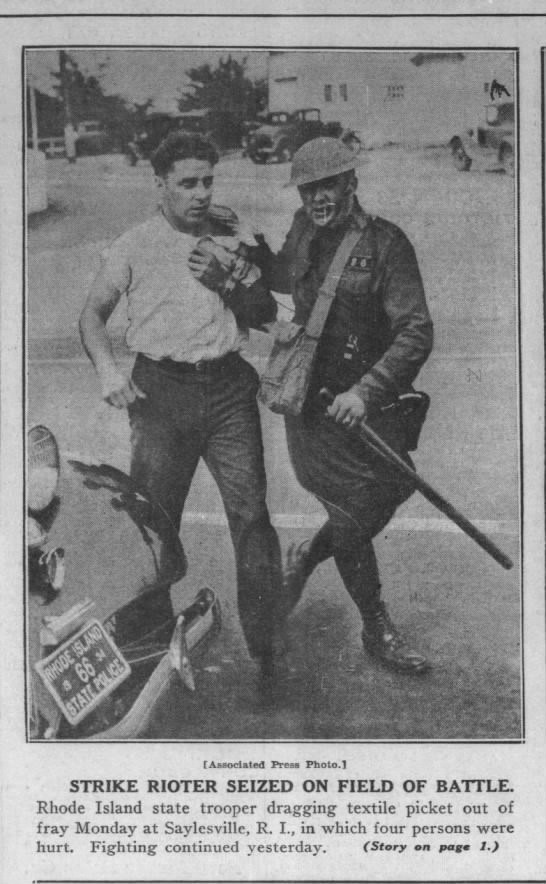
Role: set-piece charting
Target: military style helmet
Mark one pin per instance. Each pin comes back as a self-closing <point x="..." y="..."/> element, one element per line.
<point x="320" y="158"/>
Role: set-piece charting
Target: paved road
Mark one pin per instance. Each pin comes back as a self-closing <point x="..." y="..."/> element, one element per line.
<point x="453" y="601"/>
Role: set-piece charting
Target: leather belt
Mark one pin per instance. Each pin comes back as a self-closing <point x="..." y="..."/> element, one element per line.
<point x="203" y="366"/>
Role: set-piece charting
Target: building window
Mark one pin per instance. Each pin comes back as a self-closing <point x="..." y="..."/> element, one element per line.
<point x="486" y="88"/>
<point x="343" y="91"/>
<point x="328" y="93"/>
<point x="394" y="93"/>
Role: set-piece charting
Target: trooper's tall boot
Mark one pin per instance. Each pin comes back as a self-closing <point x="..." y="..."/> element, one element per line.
<point x="381" y="640"/>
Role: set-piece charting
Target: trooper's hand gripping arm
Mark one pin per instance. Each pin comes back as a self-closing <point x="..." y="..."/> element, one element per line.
<point x="236" y="279"/>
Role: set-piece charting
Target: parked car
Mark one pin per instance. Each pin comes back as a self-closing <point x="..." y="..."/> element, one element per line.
<point x="493" y="135"/>
<point x="154" y="129"/>
<point x="249" y="127"/>
<point x="223" y="128"/>
<point x="280" y="136"/>
<point x="105" y="647"/>
<point x="92" y="138"/>
<point x="53" y="147"/>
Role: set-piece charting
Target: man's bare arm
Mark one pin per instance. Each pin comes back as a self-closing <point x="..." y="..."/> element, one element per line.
<point x="116" y="388"/>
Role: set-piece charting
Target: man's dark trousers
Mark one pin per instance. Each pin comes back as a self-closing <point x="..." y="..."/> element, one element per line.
<point x="210" y="411"/>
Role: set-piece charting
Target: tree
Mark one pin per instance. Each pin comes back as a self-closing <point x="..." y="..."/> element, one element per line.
<point x="49" y="112"/>
<point x="228" y="93"/>
<point x="84" y="99"/>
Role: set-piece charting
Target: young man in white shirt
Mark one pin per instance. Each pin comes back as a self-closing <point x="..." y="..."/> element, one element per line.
<point x="191" y="394"/>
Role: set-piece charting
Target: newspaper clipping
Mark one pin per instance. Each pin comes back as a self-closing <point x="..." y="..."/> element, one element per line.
<point x="272" y="446"/>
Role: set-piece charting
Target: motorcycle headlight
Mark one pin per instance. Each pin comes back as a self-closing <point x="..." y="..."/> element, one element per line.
<point x="43" y="468"/>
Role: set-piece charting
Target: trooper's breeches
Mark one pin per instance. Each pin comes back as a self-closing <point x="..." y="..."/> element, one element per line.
<point x="358" y="490"/>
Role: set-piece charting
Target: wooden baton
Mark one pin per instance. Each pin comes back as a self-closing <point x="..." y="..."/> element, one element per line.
<point x="385" y="451"/>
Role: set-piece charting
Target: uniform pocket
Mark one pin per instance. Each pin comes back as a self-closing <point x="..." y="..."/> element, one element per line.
<point x="356" y="283"/>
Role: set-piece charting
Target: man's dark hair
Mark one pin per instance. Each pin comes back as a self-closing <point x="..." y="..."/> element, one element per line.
<point x="182" y="146"/>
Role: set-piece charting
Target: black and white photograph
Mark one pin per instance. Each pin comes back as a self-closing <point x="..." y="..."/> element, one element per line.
<point x="272" y="318"/>
<point x="272" y="510"/>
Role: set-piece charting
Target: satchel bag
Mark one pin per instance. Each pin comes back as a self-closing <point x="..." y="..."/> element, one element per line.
<point x="285" y="381"/>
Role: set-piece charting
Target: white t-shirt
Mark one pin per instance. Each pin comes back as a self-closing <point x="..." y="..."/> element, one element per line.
<point x="171" y="314"/>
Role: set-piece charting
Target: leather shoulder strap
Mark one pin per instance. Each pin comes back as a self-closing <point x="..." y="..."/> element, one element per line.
<point x="327" y="291"/>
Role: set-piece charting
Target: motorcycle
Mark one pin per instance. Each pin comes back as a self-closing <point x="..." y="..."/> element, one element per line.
<point x="110" y="648"/>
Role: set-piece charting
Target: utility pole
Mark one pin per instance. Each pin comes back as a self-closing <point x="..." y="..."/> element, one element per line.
<point x="66" y="77"/>
<point x="268" y="79"/>
<point x="70" y="135"/>
<point x="33" y="117"/>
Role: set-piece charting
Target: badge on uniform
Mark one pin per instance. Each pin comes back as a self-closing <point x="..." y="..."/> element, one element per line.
<point x="351" y="347"/>
<point x="360" y="263"/>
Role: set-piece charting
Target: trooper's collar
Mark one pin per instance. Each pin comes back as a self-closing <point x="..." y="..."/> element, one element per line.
<point x="357" y="215"/>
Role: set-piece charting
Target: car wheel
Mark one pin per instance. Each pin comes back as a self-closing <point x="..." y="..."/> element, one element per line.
<point x="284" y="153"/>
<point x="351" y="140"/>
<point x="506" y="159"/>
<point x="459" y="156"/>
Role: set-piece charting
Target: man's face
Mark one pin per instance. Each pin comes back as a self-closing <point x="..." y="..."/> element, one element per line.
<point x="186" y="192"/>
<point x="327" y="199"/>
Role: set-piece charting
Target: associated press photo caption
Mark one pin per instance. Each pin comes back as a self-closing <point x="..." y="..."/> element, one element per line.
<point x="302" y="813"/>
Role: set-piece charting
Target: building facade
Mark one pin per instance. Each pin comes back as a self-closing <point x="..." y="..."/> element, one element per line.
<point x="413" y="98"/>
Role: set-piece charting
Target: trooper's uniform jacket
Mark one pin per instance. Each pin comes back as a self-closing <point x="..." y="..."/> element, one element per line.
<point x="377" y="336"/>
<point x="378" y="332"/>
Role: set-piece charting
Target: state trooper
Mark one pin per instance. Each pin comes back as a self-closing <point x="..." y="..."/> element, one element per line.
<point x="377" y="335"/>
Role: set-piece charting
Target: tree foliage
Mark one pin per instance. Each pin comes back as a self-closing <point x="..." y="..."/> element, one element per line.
<point x="225" y="89"/>
<point x="83" y="98"/>
<point x="49" y="112"/>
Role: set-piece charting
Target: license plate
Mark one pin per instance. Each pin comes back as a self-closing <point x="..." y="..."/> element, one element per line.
<point x="82" y="671"/>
